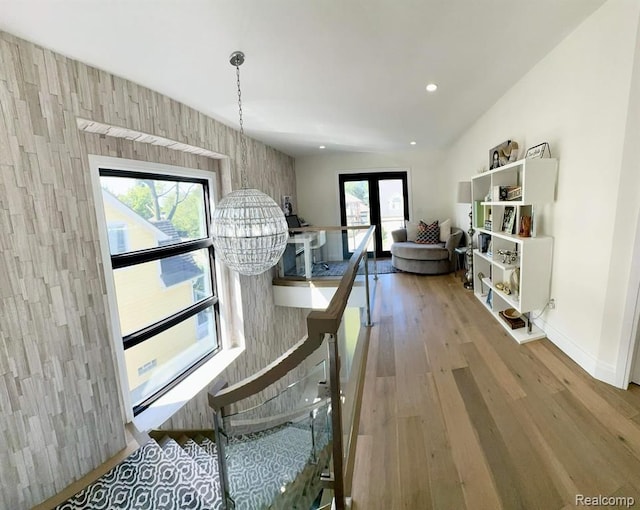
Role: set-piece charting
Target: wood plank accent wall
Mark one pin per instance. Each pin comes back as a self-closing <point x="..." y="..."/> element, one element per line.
<point x="60" y="409"/>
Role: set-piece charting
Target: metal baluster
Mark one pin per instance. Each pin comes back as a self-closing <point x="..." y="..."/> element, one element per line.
<point x="366" y="286"/>
<point x="336" y="421"/>
<point x="314" y="454"/>
<point x="221" y="439"/>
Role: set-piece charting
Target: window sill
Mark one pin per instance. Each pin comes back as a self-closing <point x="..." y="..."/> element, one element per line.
<point x="170" y="403"/>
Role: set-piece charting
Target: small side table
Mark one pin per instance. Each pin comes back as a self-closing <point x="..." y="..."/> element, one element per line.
<point x="461" y="253"/>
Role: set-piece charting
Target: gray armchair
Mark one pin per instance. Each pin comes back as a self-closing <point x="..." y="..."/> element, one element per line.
<point x="424" y="258"/>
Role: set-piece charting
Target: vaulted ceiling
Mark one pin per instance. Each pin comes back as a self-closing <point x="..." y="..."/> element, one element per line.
<point x="346" y="74"/>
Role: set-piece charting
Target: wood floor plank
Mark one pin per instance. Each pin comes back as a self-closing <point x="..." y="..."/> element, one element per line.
<point x="415" y="491"/>
<point x="385" y="492"/>
<point x="411" y="361"/>
<point x="531" y="478"/>
<point x="570" y="445"/>
<point x="365" y="455"/>
<point x="446" y="486"/>
<point x="386" y="365"/>
<point x="410" y="387"/>
<point x="503" y="375"/>
<point x="524" y="366"/>
<point x="478" y="485"/>
<point x="555" y="468"/>
<point x="493" y="446"/>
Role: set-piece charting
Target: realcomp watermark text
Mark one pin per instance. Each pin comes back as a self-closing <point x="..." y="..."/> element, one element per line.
<point x="619" y="501"/>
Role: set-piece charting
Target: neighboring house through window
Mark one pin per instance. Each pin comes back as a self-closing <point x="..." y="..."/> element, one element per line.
<point x="163" y="276"/>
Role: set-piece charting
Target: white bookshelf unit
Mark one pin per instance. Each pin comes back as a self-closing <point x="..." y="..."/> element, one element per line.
<point x="526" y="270"/>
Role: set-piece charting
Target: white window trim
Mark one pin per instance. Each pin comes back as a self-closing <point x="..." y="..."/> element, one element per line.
<point x="228" y="291"/>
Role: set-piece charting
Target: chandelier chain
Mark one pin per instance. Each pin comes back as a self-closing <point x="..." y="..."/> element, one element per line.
<point x="243" y="141"/>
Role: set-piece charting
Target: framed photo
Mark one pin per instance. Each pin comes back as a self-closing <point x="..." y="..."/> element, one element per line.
<point x="502" y="154"/>
<point x="509" y="220"/>
<point x="287" y="205"/>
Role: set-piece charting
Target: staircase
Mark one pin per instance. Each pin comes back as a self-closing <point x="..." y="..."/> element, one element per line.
<point x="272" y="469"/>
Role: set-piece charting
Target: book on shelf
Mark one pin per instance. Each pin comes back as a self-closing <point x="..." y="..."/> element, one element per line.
<point x="478" y="212"/>
<point x="516" y="323"/>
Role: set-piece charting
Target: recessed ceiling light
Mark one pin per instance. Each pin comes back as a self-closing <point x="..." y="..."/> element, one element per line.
<point x="412" y="143"/>
<point x="322" y="147"/>
<point x="432" y="87"/>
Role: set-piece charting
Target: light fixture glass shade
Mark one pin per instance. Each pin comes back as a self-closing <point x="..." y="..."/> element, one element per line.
<point x="249" y="231"/>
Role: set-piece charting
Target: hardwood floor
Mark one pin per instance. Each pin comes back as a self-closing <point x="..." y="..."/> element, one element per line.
<point x="456" y="414"/>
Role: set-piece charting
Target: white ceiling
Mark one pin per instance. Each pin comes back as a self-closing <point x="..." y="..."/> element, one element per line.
<point x="348" y="74"/>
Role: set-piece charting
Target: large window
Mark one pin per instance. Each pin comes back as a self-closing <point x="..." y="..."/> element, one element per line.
<point x="163" y="276"/>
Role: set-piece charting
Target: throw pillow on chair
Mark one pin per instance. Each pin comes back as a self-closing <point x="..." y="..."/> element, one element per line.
<point x="428" y="234"/>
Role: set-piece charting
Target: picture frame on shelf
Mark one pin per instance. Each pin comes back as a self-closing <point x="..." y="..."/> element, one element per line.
<point x="502" y="154"/>
<point x="483" y="242"/>
<point x="508" y="219"/>
<point x="287" y="205"/>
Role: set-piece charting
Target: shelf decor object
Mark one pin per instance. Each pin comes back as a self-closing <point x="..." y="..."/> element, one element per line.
<point x="464" y="197"/>
<point x="249" y="230"/>
<point x="503" y="154"/>
<point x="539" y="151"/>
<point x="513" y="276"/>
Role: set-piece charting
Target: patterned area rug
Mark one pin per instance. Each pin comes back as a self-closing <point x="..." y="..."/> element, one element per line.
<point x="146" y="480"/>
<point x="338" y="268"/>
<point x="173" y="476"/>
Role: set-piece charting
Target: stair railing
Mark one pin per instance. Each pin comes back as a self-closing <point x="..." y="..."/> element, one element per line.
<point x="347" y="345"/>
<point x="347" y="360"/>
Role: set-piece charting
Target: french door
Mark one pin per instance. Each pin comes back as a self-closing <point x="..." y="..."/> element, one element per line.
<point x="376" y="198"/>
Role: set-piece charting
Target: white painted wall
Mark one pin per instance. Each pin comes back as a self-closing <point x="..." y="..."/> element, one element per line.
<point x="317" y="183"/>
<point x="577" y="98"/>
<point x="627" y="242"/>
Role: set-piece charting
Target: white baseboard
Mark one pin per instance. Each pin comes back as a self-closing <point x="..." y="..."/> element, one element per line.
<point x="598" y="369"/>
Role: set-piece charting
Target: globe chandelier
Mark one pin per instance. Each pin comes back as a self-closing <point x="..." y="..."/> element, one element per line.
<point x="249" y="230"/>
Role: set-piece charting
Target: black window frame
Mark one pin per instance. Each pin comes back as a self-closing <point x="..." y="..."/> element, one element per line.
<point x="122" y="260"/>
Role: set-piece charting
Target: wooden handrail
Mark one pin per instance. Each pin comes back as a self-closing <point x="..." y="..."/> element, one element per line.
<point x="318" y="323"/>
<point x="328" y="321"/>
<point x="267" y="376"/>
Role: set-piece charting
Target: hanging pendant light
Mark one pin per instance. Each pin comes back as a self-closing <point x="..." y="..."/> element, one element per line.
<point x="249" y="229"/>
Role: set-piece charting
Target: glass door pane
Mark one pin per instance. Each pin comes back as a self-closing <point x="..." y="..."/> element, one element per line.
<point x="391" y="209"/>
<point x="357" y="209"/>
